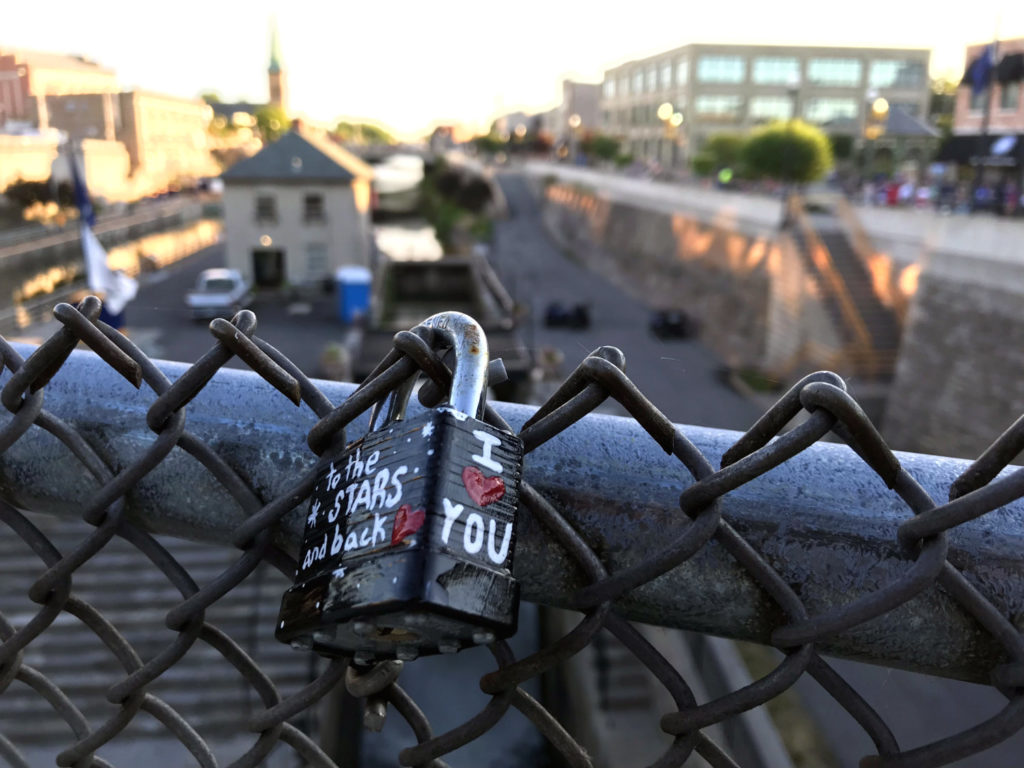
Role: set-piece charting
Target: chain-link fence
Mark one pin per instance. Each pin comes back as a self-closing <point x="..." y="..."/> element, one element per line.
<point x="907" y="602"/>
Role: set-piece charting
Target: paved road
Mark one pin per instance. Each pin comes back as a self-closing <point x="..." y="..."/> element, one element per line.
<point x="679" y="376"/>
<point x="158" y="322"/>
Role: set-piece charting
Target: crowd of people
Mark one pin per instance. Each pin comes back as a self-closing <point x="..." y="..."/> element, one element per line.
<point x="1003" y="198"/>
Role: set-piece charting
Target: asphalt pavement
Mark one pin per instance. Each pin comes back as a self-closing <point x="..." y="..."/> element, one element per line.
<point x="680" y="376"/>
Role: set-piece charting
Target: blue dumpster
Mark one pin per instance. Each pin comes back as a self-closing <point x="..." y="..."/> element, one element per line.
<point x="353" y="285"/>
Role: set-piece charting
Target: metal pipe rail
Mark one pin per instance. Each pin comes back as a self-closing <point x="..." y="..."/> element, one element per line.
<point x="823" y="519"/>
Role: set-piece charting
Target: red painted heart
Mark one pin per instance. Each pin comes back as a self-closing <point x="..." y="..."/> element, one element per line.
<point x="482" y="490"/>
<point x="407" y="523"/>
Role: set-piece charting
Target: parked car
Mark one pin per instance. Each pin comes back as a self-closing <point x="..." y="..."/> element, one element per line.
<point x="557" y="315"/>
<point x="218" y="293"/>
<point x="672" y="324"/>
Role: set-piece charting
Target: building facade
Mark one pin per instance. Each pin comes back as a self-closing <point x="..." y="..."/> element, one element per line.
<point x="733" y="88"/>
<point x="27" y="78"/>
<point x="988" y="121"/>
<point x="296" y="211"/>
<point x="582" y="100"/>
<point x="166" y="137"/>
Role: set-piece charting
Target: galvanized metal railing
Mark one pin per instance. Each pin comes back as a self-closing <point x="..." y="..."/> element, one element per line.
<point x="812" y="547"/>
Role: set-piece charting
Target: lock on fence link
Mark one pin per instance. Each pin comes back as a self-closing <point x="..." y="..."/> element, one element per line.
<point x="410" y="533"/>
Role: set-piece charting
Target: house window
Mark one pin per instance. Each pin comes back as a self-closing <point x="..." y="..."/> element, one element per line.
<point x="652" y="79"/>
<point x="609" y="89"/>
<point x="666" y="75"/>
<point x="266" y="209"/>
<point x="896" y="74"/>
<point x="771" y="108"/>
<point x="824" y="110"/>
<point x="979" y="99"/>
<point x="623" y="85"/>
<point x="776" y="70"/>
<point x="638" y="81"/>
<point x="316" y="261"/>
<point x="682" y="71"/>
<point x="1009" y="97"/>
<point x="719" y="106"/>
<point x="720" y="69"/>
<point x="313" y="208"/>
<point x="843" y="72"/>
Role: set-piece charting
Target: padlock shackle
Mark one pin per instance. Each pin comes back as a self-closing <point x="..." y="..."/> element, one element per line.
<point x="468" y="340"/>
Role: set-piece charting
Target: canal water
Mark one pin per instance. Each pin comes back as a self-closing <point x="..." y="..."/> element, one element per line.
<point x="27" y="293"/>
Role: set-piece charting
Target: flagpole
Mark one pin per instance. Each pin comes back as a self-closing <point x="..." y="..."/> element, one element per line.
<point x="986" y="115"/>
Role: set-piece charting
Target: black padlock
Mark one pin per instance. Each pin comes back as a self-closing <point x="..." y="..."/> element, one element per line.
<point x="410" y="533"/>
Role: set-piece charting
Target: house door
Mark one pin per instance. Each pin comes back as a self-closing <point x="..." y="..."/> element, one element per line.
<point x="268" y="268"/>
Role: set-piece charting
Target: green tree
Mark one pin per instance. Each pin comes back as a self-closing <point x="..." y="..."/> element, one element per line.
<point x="210" y="97"/>
<point x="704" y="163"/>
<point x="272" y="122"/>
<point x="489" y="143"/>
<point x="725" y="148"/>
<point x="842" y="146"/>
<point x="362" y="133"/>
<point x="601" y="146"/>
<point x="792" y="151"/>
<point x="942" y="99"/>
<point x="941" y="105"/>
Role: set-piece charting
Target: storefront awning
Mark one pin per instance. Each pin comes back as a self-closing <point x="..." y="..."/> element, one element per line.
<point x="995" y="151"/>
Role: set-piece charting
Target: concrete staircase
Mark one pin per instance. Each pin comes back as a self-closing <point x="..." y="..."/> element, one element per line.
<point x="134" y="595"/>
<point x="849" y="296"/>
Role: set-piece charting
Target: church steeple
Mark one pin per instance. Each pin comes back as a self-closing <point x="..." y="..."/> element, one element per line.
<point x="275" y="72"/>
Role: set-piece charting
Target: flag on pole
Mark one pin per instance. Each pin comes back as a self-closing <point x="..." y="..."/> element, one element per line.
<point x="980" y="71"/>
<point x="117" y="288"/>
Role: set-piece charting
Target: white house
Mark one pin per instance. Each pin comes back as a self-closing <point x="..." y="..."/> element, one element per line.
<point x="296" y="211"/>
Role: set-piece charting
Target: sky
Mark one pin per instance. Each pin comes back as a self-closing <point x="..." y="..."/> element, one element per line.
<point x="411" y="65"/>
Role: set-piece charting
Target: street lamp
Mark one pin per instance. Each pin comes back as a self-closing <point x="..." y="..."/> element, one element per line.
<point x="874" y="126"/>
<point x="671" y="120"/>
<point x="575" y="121"/>
<point x="793" y="89"/>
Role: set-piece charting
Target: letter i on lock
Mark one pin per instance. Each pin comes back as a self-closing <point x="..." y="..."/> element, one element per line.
<point x="410" y="533"/>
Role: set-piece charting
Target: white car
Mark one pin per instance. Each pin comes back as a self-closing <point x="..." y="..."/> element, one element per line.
<point x="218" y="293"/>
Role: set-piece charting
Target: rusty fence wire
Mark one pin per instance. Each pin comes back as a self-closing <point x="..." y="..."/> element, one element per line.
<point x="921" y="538"/>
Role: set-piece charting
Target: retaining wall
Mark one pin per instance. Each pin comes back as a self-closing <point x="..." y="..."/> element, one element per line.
<point x="747" y="286"/>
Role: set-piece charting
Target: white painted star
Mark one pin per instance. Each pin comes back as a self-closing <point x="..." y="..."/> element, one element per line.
<point x="428" y="429"/>
<point x="311" y="519"/>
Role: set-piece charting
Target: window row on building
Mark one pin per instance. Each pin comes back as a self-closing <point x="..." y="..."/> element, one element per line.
<point x="650" y="79"/>
<point x="312" y="209"/>
<point x="1008" y="99"/>
<point x="731" y="106"/>
<point x="835" y="71"/>
<point x="765" y="108"/>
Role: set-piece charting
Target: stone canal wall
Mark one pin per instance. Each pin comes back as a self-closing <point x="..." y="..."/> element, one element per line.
<point x="958" y="381"/>
<point x="757" y="306"/>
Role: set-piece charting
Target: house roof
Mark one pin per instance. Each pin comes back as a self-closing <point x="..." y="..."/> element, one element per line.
<point x="898" y="123"/>
<point x="46" y="60"/>
<point x="297" y="157"/>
